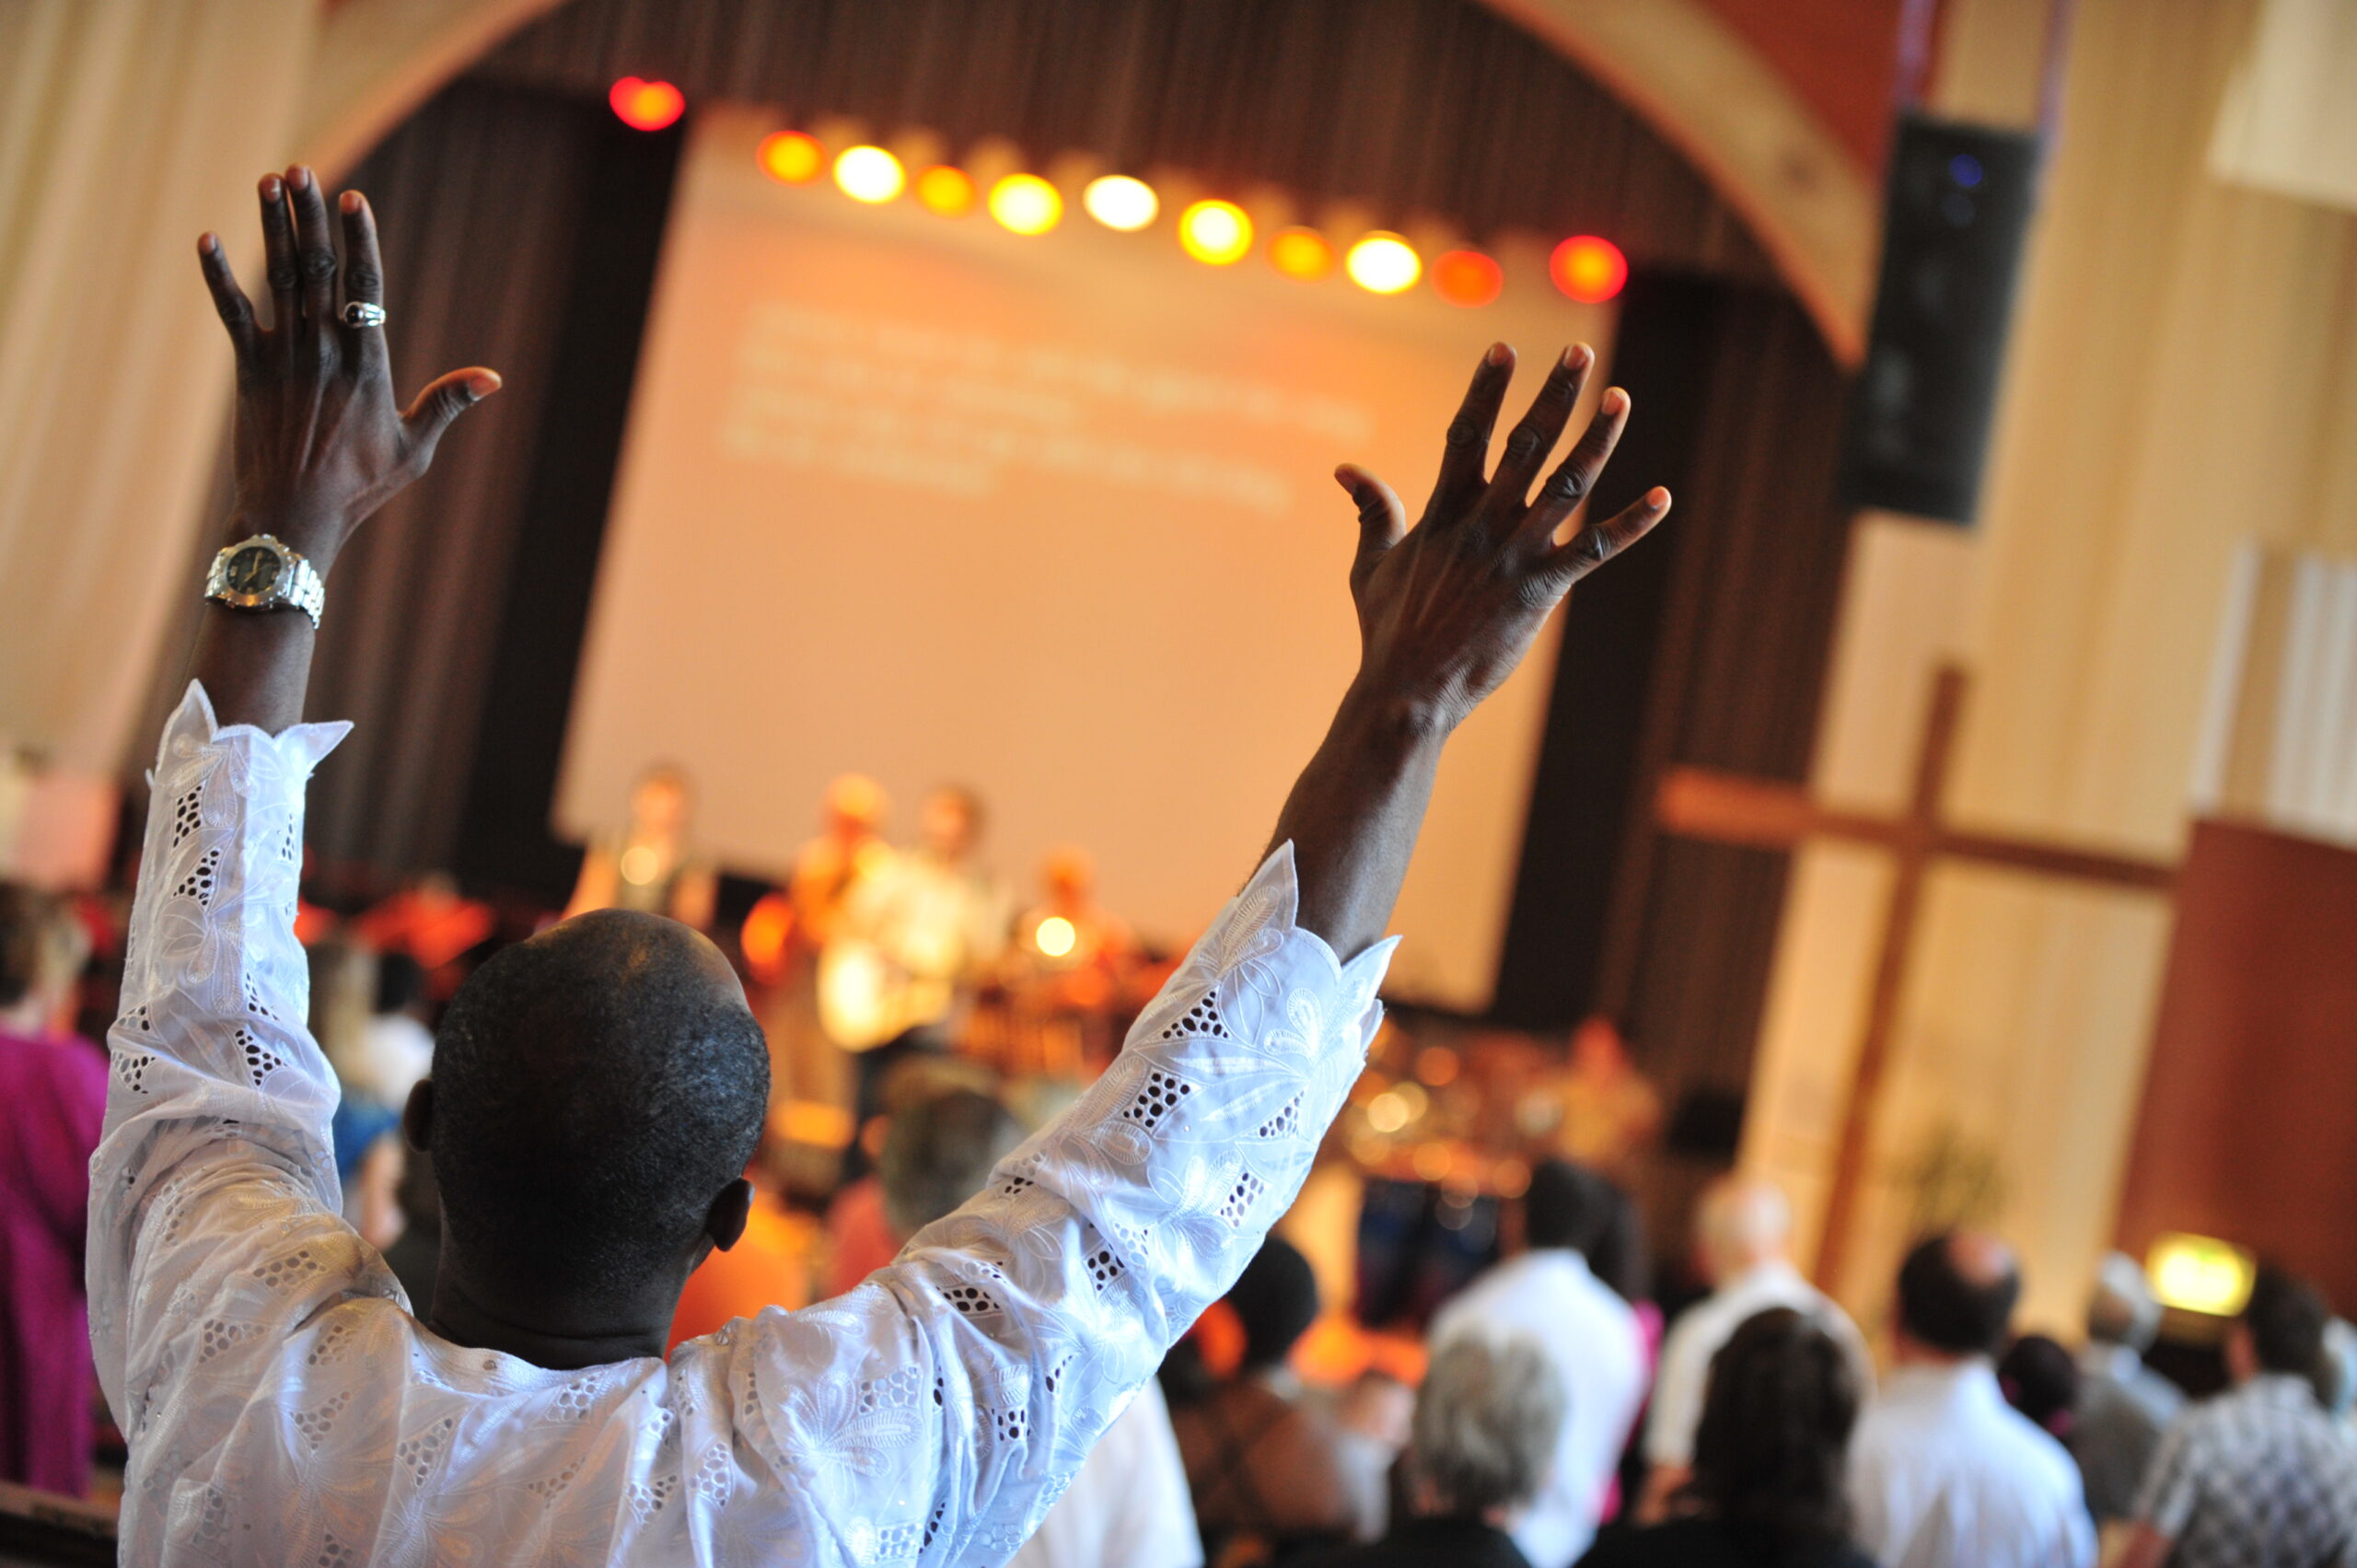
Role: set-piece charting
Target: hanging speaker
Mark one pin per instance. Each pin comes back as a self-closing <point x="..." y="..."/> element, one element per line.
<point x="1958" y="209"/>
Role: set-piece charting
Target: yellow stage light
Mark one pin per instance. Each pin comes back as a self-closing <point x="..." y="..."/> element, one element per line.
<point x="1386" y="1112"/>
<point x="1383" y="263"/>
<point x="1026" y="203"/>
<point x="1216" y="232"/>
<point x="1055" y="936"/>
<point x="1301" y="253"/>
<point x="2199" y="1273"/>
<point x="639" y="865"/>
<point x="947" y="191"/>
<point x="1118" y="202"/>
<point x="870" y="174"/>
<point x="792" y="158"/>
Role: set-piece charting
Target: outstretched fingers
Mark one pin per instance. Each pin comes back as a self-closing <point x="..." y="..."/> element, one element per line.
<point x="1536" y="435"/>
<point x="278" y="256"/>
<point x="1576" y="474"/>
<point x="1465" y="453"/>
<point x="443" y="400"/>
<point x="237" y="310"/>
<point x="1383" y="521"/>
<point x="1599" y="542"/>
<point x="315" y="250"/>
<point x="363" y="278"/>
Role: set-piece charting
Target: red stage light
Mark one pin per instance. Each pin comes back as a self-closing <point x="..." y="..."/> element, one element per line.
<point x="1590" y="269"/>
<point x="1467" y="277"/>
<point x="646" y="106"/>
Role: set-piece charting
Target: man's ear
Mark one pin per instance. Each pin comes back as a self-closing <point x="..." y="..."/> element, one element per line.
<point x="417" y="1116"/>
<point x="725" y="1221"/>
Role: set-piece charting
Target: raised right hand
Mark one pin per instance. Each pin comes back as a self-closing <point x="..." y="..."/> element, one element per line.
<point x="1448" y="609"/>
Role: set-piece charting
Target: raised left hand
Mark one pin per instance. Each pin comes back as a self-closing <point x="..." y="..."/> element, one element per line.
<point x="320" y="443"/>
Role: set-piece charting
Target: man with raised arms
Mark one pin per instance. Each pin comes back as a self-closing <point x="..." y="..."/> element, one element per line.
<point x="598" y="1089"/>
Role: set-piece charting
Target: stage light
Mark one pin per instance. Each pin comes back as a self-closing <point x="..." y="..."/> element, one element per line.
<point x="1055" y="936"/>
<point x="870" y="174"/>
<point x="1216" y="232"/>
<point x="947" y="191"/>
<point x="646" y="106"/>
<point x="1301" y="253"/>
<point x="1386" y="1112"/>
<point x="1383" y="263"/>
<point x="1026" y="203"/>
<point x="792" y="158"/>
<point x="1590" y="269"/>
<point x="1118" y="202"/>
<point x="1467" y="277"/>
<point x="639" y="865"/>
<point x="2199" y="1273"/>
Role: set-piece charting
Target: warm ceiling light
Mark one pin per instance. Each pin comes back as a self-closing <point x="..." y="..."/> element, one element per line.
<point x="792" y="158"/>
<point x="1026" y="203"/>
<point x="646" y="106"/>
<point x="1055" y="936"/>
<point x="1301" y="253"/>
<point x="1118" y="202"/>
<point x="2199" y="1273"/>
<point x="1467" y="277"/>
<point x="870" y="174"/>
<point x="1590" y="269"/>
<point x="1216" y="232"/>
<point x="947" y="191"/>
<point x="1383" y="263"/>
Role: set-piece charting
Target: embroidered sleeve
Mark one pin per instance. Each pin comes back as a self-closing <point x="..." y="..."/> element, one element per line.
<point x="214" y="1204"/>
<point x="939" y="1409"/>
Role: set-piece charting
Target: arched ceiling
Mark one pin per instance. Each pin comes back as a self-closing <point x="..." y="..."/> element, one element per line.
<point x="1676" y="63"/>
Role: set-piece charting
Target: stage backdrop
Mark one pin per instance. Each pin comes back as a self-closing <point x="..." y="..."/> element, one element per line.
<point x="1048" y="517"/>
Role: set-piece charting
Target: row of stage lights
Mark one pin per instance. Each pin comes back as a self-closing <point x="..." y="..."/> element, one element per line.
<point x="1216" y="232"/>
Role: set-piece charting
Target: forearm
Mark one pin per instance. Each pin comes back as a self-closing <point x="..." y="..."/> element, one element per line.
<point x="1353" y="814"/>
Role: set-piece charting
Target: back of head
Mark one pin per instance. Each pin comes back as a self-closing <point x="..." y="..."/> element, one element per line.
<point x="1771" y="1449"/>
<point x="2041" y="1380"/>
<point x="1567" y="1206"/>
<point x="2121" y="1309"/>
<point x="1741" y="1222"/>
<point x="1275" y="1301"/>
<point x="940" y="1151"/>
<point x="1956" y="1293"/>
<point x="594" y="1090"/>
<point x="2285" y="1318"/>
<point x="1488" y="1420"/>
<point x="42" y="947"/>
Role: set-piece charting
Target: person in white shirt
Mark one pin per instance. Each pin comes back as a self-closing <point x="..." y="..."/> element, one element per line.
<point x="1588" y="1333"/>
<point x="598" y="1089"/>
<point x="1944" y="1473"/>
<point x="1744" y="1236"/>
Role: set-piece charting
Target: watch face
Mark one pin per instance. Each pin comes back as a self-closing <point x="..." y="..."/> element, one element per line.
<point x="253" y="570"/>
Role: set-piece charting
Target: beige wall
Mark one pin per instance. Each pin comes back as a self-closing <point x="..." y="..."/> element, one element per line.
<point x="2182" y="378"/>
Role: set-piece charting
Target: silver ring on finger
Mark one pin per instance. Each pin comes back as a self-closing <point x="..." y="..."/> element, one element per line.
<point x="360" y="313"/>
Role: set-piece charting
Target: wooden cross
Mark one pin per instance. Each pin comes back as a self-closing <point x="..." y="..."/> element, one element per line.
<point x="1698" y="803"/>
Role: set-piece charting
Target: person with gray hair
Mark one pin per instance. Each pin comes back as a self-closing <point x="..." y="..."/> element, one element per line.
<point x="2123" y="1405"/>
<point x="1484" y="1438"/>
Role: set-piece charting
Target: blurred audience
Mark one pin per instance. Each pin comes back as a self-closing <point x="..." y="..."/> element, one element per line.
<point x="1482" y="1440"/>
<point x="2260" y="1474"/>
<point x="1269" y="1472"/>
<point x="53" y="1105"/>
<point x="1766" y="1470"/>
<point x="364" y="1129"/>
<point x="1944" y="1473"/>
<point x="2040" y="1379"/>
<point x="2123" y="1404"/>
<point x="1591" y="1336"/>
<point x="1743" y="1242"/>
<point x="651" y="865"/>
<point x="395" y="1049"/>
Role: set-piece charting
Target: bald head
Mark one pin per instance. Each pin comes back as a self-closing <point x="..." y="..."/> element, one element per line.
<point x="1956" y="1293"/>
<point x="594" y="1090"/>
<point x="1743" y="1222"/>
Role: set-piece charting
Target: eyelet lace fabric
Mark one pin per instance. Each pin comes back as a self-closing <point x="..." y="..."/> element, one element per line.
<point x="284" y="1406"/>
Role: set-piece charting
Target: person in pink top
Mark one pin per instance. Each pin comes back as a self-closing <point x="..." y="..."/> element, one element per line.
<point x="55" y="1087"/>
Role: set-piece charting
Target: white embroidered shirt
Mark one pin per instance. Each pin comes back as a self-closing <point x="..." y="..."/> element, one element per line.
<point x="282" y="1404"/>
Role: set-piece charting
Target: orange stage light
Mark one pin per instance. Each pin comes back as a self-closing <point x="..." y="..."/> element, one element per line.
<point x="1026" y="203"/>
<point x="1216" y="232"/>
<point x="1301" y="253"/>
<point x="1590" y="269"/>
<point x="870" y="174"/>
<point x="1382" y="262"/>
<point x="1467" y="277"/>
<point x="646" y="106"/>
<point x="947" y="191"/>
<point x="1117" y="201"/>
<point x="792" y="158"/>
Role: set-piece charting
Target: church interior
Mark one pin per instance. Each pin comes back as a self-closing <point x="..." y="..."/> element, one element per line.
<point x="902" y="550"/>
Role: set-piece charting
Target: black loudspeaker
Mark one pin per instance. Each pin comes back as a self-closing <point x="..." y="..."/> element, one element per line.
<point x="1958" y="209"/>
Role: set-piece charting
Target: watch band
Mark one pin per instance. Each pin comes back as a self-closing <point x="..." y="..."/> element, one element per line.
<point x="293" y="582"/>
